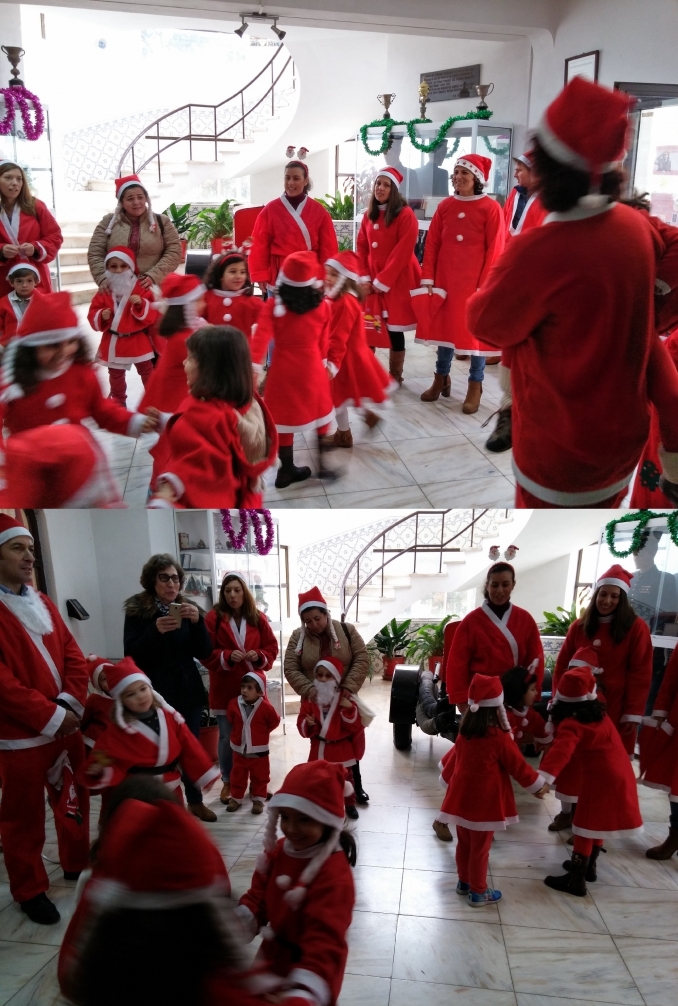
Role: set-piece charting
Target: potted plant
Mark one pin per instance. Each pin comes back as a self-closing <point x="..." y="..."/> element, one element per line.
<point x="342" y="210"/>
<point x="390" y="642"/>
<point x="427" y="643"/>
<point x="213" y="227"/>
<point x="557" y="625"/>
<point x="181" y="218"/>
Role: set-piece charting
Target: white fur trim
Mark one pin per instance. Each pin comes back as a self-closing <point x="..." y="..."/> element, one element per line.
<point x="346" y="273"/>
<point x="187" y="298"/>
<point x="380" y="286"/>
<point x="537" y="785"/>
<point x="71" y="700"/>
<point x="135" y="424"/>
<point x="331" y="668"/>
<point x="117" y="691"/>
<point x="31" y="611"/>
<point x="127" y="259"/>
<point x="305" y="806"/>
<point x="589" y="697"/>
<point x="36" y="271"/>
<point x="207" y="778"/>
<point x="624" y="833"/>
<point x="473" y="168"/>
<point x="559" y="150"/>
<point x="109" y="894"/>
<point x="611" y="581"/>
<point x="311" y="982"/>
<point x="14" y="532"/>
<point x="387" y="174"/>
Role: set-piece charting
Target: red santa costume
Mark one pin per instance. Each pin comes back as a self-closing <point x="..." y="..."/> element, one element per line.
<point x="303" y="900"/>
<point x="227" y="638"/>
<point x="287" y="226"/>
<point x="43" y="674"/>
<point x="251" y="727"/>
<point x="527" y="721"/>
<point x="332" y="735"/>
<point x="659" y="737"/>
<point x="568" y="783"/>
<point x="99" y="704"/>
<point x="13" y="307"/>
<point x="134" y="747"/>
<point x="39" y="229"/>
<point x="533" y="212"/>
<point x="573" y="300"/>
<point x="238" y="308"/>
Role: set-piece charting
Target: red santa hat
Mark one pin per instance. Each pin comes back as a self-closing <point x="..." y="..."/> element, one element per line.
<point x="300" y="269"/>
<point x="477" y="164"/>
<point x="120" y="676"/>
<point x="616" y="576"/>
<point x="333" y="665"/>
<point x="178" y="290"/>
<point x="10" y="528"/>
<point x="586" y="126"/>
<point x="396" y="177"/>
<point x="156" y="856"/>
<point x="577" y="685"/>
<point x="48" y="319"/>
<point x="317" y="789"/>
<point x="486" y="692"/>
<point x="97" y="665"/>
<point x="259" y="679"/>
<point x="525" y="159"/>
<point x="313" y="599"/>
<point x="121" y="186"/>
<point x="125" y="255"/>
<point x="347" y="265"/>
<point x="25" y="265"/>
<point x="586" y="656"/>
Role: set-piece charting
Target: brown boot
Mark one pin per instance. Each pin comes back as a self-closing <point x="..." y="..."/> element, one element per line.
<point x="202" y="812"/>
<point x="442" y="830"/>
<point x="472" y="400"/>
<point x="561" y="821"/>
<point x="396" y="362"/>
<point x="463" y="356"/>
<point x="491" y="361"/>
<point x="666" y="849"/>
<point x="232" y="805"/>
<point x="441" y="386"/>
<point x="370" y="419"/>
<point x="257" y="807"/>
<point x="225" y="794"/>
<point x="343" y="438"/>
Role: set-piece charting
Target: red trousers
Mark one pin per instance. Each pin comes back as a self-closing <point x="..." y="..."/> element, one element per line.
<point x="22" y="815"/>
<point x="525" y="500"/>
<point x="584" y="846"/>
<point x="118" y="380"/>
<point x="473" y="853"/>
<point x="257" y="770"/>
<point x="287" y="439"/>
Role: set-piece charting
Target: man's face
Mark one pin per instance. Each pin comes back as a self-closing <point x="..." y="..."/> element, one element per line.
<point x="16" y="562"/>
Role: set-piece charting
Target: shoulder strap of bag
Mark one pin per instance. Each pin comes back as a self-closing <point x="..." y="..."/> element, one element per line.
<point x="346" y="633"/>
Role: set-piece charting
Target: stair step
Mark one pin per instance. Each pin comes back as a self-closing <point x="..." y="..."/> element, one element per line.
<point x="75" y="274"/>
<point x="73" y="256"/>
<point x="81" y="293"/>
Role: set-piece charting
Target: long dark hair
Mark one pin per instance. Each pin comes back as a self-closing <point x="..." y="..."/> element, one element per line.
<point x="561" y="187"/>
<point x="477" y="724"/>
<point x="224" y="364"/>
<point x="27" y="368"/>
<point x="592" y="711"/>
<point x="394" y="205"/>
<point x="172" y="321"/>
<point x="26" y="198"/>
<point x="301" y="299"/>
<point x="623" y="617"/>
<point x="515" y="683"/>
<point x="215" y="273"/>
<point x="346" y="843"/>
<point x="249" y="609"/>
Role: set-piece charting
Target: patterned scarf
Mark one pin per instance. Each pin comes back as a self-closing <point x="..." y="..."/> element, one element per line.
<point x="162" y="608"/>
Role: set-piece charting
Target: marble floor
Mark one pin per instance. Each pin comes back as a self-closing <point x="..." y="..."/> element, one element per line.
<point x="413" y="941"/>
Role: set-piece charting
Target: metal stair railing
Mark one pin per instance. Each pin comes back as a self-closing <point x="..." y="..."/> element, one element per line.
<point x="194" y="114"/>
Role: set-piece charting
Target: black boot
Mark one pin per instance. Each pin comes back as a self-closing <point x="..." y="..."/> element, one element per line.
<point x="591" y="872"/>
<point x="288" y="471"/>
<point x="41" y="910"/>
<point x="360" y="795"/>
<point x="574" y="881"/>
<point x="325" y="448"/>
<point x="500" y="439"/>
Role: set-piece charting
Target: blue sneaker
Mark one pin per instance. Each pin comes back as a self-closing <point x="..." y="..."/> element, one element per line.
<point x="488" y="897"/>
<point x="463" y="888"/>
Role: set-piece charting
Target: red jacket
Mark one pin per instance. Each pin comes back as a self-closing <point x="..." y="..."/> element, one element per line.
<point x="125" y="339"/>
<point x="280" y="230"/>
<point x="33" y="676"/>
<point x="387" y="259"/>
<point x="249" y="735"/>
<point x="96" y="717"/>
<point x="659" y="743"/>
<point x="225" y="307"/>
<point x="308" y="945"/>
<point x="359" y="378"/>
<point x="44" y="233"/>
<point x="9" y="319"/>
<point x="225" y="675"/>
<point x="334" y="732"/>
<point x="527" y="721"/>
<point x="533" y="214"/>
<point x="167" y="386"/>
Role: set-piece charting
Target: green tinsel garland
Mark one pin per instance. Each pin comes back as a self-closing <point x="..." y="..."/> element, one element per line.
<point x="643" y="517"/>
<point x="497" y="151"/>
<point x="425" y="148"/>
<point x="455" y="148"/>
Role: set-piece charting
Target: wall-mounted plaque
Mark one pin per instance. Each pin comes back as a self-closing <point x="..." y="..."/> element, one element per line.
<point x="445" y="85"/>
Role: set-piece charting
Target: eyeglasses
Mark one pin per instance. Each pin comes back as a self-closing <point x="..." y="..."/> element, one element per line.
<point x="165" y="578"/>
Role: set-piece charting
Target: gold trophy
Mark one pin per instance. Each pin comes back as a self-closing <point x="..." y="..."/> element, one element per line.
<point x="424" y="91"/>
<point x="386" y="100"/>
<point x="482" y="90"/>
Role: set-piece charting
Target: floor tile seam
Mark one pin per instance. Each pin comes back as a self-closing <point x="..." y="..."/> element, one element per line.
<point x="635" y="985"/>
<point x="31" y="979"/>
<point x="28" y="943"/>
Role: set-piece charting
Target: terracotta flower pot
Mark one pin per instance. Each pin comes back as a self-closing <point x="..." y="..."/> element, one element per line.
<point x="209" y="738"/>
<point x="184" y="246"/>
<point x="390" y="664"/>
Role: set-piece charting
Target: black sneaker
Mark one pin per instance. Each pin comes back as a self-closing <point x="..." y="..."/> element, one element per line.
<point x="352" y="812"/>
<point x="362" y="798"/>
<point x="41" y="910"/>
<point x="72" y="874"/>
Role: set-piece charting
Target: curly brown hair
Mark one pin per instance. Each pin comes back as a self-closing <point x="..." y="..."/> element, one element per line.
<point x="249" y="609"/>
<point x="144" y="604"/>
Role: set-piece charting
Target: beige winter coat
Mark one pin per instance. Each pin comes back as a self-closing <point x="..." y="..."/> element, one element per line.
<point x="159" y="250"/>
<point x="299" y="667"/>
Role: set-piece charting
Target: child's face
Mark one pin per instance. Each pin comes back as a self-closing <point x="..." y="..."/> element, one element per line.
<point x="191" y="370"/>
<point x="530" y="696"/>
<point x="331" y="277"/>
<point x="103" y="682"/>
<point x="299" y="829"/>
<point x="249" y="692"/>
<point x="322" y="674"/>
<point x="56" y="354"/>
<point x="117" y="265"/>
<point x="234" y="277"/>
<point x="138" y="698"/>
<point x="23" y="285"/>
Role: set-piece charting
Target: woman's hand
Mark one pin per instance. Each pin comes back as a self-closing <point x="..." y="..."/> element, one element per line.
<point x="366" y="289"/>
<point x="105" y="286"/>
<point x="251" y="655"/>
<point x="237" y="656"/>
<point x="10" y="251"/>
<point x="311" y="695"/>
<point x="69" y="724"/>
<point x="190" y="612"/>
<point x="146" y="282"/>
<point x="166" y="623"/>
<point x="106" y="313"/>
<point x="27" y="249"/>
<point x="135" y="299"/>
<point x="346" y="703"/>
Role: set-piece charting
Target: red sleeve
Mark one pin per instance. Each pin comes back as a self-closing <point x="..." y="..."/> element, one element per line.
<point x="639" y="673"/>
<point x="259" y="262"/>
<point x="340" y="331"/>
<point x="328" y="245"/>
<point x="263" y="334"/>
<point x="219" y="656"/>
<point x="75" y="675"/>
<point x="565" y="655"/>
<point x="51" y="238"/>
<point x="307" y="709"/>
<point x="508" y="307"/>
<point x="232" y="711"/>
<point x="448" y="763"/>
<point x="272" y="718"/>
<point x="28" y="705"/>
<point x="268" y="645"/>
<point x="100" y="302"/>
<point x="363" y="250"/>
<point x="669" y="686"/>
<point x="255" y="899"/>
<point x="144" y="311"/>
<point x="667" y="267"/>
<point x="662" y="390"/>
<point x="536" y="651"/>
<point x="201" y="457"/>
<point x="350" y="718"/>
<point x="516" y="766"/>
<point x="567" y="737"/>
<point x="105" y="411"/>
<point x="432" y="250"/>
<point x="401" y="256"/>
<point x="495" y="237"/>
<point x="195" y="762"/>
<point x="458" y="675"/>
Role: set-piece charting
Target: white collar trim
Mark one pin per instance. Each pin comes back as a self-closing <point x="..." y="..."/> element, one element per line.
<point x="588" y="206"/>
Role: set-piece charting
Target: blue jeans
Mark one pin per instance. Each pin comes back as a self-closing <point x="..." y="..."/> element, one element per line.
<point x="225" y="749"/>
<point x="444" y="362"/>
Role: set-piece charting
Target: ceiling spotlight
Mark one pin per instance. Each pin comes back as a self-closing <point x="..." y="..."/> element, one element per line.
<point x="242" y="29"/>
<point x="277" y="31"/>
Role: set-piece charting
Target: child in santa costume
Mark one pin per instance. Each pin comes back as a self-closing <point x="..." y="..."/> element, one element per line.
<point x="608" y="795"/>
<point x="24" y="278"/>
<point x="297" y="385"/>
<point x="477" y="772"/>
<point x="253" y="719"/>
<point x="145" y="735"/>
<point x="466" y="236"/>
<point x="493" y="637"/>
<point x="658" y="740"/>
<point x="358" y="379"/>
<point x="520" y="694"/>
<point x="332" y="721"/>
<point x="123" y="312"/>
<point x="301" y="897"/>
<point x="573" y="299"/>
<point x="221" y="439"/>
<point x="230" y="296"/>
<point x="388" y="266"/>
<point x="100" y="704"/>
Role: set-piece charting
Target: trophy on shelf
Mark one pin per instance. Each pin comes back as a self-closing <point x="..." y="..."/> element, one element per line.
<point x="386" y="100"/>
<point x="424" y="91"/>
<point x="482" y="90"/>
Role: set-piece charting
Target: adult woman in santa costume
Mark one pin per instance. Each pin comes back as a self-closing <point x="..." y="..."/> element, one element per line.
<point x="658" y="741"/>
<point x="243" y="640"/>
<point x="465" y="237"/>
<point x="28" y="231"/>
<point x="492" y="638"/>
<point x="294" y="222"/>
<point x="43" y="686"/>
<point x="388" y="265"/>
<point x="574" y="301"/>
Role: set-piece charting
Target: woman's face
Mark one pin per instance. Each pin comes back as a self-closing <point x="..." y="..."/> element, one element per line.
<point x="167" y="584"/>
<point x="56" y="355"/>
<point x="499" y="587"/>
<point x="191" y="370"/>
<point x="234" y="595"/>
<point x="295" y="181"/>
<point x="300" y="830"/>
<point x="11" y="184"/>
<point x="463" y="181"/>
<point x="382" y="188"/>
<point x="315" y="621"/>
<point x="607" y="599"/>
<point x="134" y="201"/>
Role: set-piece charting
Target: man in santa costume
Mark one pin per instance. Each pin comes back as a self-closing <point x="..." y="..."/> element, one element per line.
<point x="43" y="686"/>
<point x="574" y="301"/>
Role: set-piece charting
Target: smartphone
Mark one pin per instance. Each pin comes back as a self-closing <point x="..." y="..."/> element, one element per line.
<point x="175" y="612"/>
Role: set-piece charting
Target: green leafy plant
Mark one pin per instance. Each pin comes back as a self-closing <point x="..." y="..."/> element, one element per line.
<point x="339" y="207"/>
<point x="180" y="217"/>
<point x="428" y="640"/>
<point x="376" y="664"/>
<point x="393" y="638"/>
<point x="557" y="625"/>
<point x="212" y="222"/>
<point x="345" y="243"/>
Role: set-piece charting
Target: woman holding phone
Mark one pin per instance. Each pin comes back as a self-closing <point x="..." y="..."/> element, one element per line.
<point x="165" y="634"/>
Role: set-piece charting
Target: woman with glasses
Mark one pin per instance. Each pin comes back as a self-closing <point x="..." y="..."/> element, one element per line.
<point x="166" y="650"/>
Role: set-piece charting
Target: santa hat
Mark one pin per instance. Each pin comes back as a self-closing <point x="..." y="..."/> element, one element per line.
<point x="313" y="599"/>
<point x="395" y="176"/>
<point x="586" y="656"/>
<point x="10" y="528"/>
<point x="586" y="126"/>
<point x="333" y="665"/>
<point x="300" y="269"/>
<point x="120" y="676"/>
<point x="57" y="467"/>
<point x="477" y="164"/>
<point x="126" y="255"/>
<point x="121" y="186"/>
<point x="179" y="290"/>
<point x="317" y="789"/>
<point x="25" y="265"/>
<point x="577" y="685"/>
<point x="347" y="265"/>
<point x="97" y="665"/>
<point x="6" y="160"/>
<point x="616" y="576"/>
<point x="232" y="573"/>
<point x="260" y="680"/>
<point x="486" y="692"/>
<point x="156" y="856"/>
<point x="525" y="159"/>
<point x="48" y="319"/>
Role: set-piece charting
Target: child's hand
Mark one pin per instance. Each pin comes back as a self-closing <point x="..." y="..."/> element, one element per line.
<point x="166" y="492"/>
<point x="346" y="703"/>
<point x="135" y="299"/>
<point x="328" y="370"/>
<point x="151" y="421"/>
<point x="541" y="793"/>
<point x="94" y="771"/>
<point x="106" y="313"/>
<point x="310" y="720"/>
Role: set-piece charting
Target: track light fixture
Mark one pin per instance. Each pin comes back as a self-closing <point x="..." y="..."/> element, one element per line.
<point x="248" y="19"/>
<point x="243" y="27"/>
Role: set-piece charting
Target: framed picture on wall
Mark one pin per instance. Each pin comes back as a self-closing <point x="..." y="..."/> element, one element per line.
<point x="585" y="65"/>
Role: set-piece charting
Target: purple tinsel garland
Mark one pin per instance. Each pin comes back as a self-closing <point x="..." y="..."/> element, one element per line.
<point x="236" y="541"/>
<point x="20" y="96"/>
